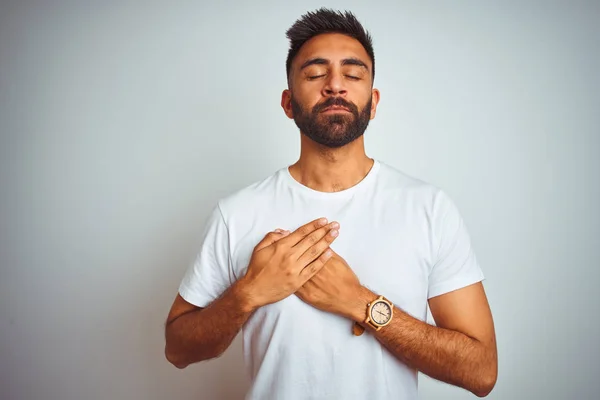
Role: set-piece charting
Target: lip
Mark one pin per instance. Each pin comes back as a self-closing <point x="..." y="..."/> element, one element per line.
<point x="335" y="109"/>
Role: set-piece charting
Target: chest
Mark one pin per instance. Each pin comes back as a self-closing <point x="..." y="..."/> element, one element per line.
<point x="388" y="251"/>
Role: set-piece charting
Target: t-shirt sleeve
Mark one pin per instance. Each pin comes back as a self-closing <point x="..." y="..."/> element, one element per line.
<point x="455" y="264"/>
<point x="209" y="275"/>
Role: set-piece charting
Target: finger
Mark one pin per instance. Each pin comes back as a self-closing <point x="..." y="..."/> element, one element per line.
<point x="311" y="269"/>
<point x="304" y="231"/>
<point x="271" y="238"/>
<point x="306" y="244"/>
<point x="318" y="249"/>
<point x="282" y="233"/>
<point x="333" y="253"/>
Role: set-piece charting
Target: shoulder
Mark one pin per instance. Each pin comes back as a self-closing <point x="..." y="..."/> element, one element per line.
<point x="250" y="197"/>
<point x="416" y="195"/>
<point x="395" y="181"/>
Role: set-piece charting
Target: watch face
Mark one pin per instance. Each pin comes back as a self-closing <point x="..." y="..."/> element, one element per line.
<point x="381" y="313"/>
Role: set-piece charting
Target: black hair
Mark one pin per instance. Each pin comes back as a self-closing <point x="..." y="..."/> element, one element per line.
<point x="325" y="20"/>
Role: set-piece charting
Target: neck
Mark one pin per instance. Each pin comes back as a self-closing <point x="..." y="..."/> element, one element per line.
<point x="331" y="170"/>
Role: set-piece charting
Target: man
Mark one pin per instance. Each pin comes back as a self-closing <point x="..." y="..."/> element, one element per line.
<point x="335" y="309"/>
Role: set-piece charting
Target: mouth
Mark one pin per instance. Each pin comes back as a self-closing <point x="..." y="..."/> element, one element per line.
<point x="335" y="109"/>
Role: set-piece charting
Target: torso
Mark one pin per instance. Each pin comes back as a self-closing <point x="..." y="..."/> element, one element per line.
<point x="293" y="350"/>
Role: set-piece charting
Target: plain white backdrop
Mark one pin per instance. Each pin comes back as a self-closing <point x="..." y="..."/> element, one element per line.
<point x="122" y="123"/>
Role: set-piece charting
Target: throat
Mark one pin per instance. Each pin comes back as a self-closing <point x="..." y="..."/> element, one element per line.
<point x="330" y="178"/>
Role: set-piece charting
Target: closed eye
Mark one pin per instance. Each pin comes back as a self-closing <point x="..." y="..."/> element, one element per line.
<point x="351" y="77"/>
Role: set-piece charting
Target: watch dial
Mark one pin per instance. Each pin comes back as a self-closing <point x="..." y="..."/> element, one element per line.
<point x="381" y="313"/>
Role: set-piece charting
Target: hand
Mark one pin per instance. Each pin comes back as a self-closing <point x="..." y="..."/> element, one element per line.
<point x="335" y="288"/>
<point x="282" y="262"/>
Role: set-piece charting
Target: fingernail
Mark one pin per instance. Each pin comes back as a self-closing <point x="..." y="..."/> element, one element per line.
<point x="335" y="225"/>
<point x="334" y="233"/>
<point x="322" y="221"/>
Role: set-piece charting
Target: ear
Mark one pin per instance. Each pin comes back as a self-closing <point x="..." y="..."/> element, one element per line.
<point x="286" y="103"/>
<point x="375" y="95"/>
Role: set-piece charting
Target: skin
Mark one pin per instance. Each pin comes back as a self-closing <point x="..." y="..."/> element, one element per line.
<point x="319" y="167"/>
<point x="460" y="350"/>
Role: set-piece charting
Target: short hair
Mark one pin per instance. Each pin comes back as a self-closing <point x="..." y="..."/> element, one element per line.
<point x="325" y="20"/>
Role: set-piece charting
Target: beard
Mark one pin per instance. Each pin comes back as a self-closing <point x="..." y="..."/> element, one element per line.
<point x="334" y="130"/>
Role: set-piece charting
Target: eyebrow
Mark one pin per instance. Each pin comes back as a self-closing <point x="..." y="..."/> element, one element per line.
<point x="345" y="61"/>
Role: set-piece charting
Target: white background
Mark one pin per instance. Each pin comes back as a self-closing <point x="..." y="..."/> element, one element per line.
<point x="122" y="124"/>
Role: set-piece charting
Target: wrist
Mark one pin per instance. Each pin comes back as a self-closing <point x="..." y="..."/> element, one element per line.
<point x="244" y="296"/>
<point x="357" y="310"/>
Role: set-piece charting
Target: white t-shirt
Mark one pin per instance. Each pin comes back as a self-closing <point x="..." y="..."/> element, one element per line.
<point x="404" y="239"/>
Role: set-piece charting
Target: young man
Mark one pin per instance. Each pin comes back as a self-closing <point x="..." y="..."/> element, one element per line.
<point x="335" y="309"/>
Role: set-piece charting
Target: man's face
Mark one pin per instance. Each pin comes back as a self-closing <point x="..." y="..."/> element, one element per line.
<point x="331" y="98"/>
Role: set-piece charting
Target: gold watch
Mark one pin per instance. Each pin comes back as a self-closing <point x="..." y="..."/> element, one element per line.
<point x="379" y="313"/>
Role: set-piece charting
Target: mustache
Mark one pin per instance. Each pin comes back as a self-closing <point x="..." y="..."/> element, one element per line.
<point x="335" y="101"/>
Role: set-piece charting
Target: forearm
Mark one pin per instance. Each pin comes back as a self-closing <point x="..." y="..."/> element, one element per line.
<point x="443" y="354"/>
<point x="206" y="333"/>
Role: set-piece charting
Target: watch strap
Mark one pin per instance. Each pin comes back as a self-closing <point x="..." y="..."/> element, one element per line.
<point x="358" y="329"/>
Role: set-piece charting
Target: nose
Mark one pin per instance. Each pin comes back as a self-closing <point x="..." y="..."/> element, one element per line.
<point x="334" y="85"/>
